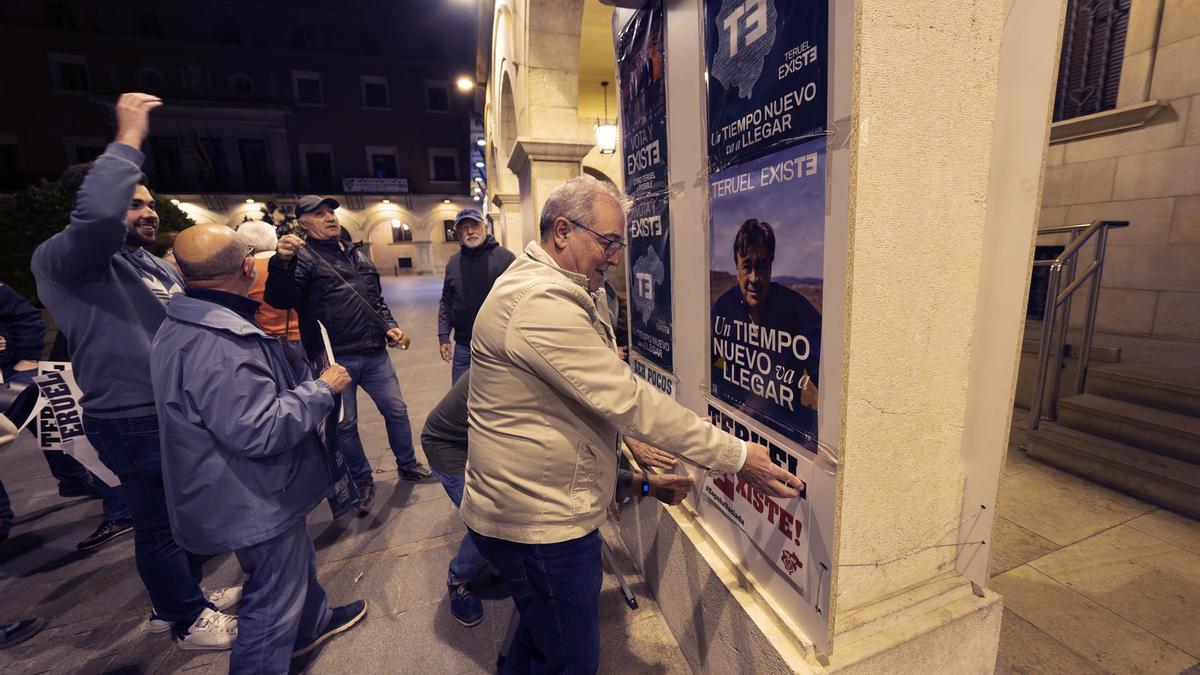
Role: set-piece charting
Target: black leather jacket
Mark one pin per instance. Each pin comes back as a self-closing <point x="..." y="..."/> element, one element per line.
<point x="308" y="284"/>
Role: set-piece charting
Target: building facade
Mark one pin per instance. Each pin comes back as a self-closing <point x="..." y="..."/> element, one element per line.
<point x="264" y="100"/>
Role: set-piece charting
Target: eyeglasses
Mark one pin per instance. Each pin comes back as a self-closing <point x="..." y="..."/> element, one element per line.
<point x="611" y="246"/>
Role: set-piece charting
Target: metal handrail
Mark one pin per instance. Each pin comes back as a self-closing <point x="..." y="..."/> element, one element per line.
<point x="1056" y="299"/>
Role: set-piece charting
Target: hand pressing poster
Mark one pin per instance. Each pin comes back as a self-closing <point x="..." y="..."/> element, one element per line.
<point x="767" y="250"/>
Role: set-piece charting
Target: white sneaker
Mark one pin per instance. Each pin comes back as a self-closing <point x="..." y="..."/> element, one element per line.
<point x="211" y="630"/>
<point x="222" y="599"/>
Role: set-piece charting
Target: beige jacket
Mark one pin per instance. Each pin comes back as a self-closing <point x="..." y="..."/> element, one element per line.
<point x="549" y="401"/>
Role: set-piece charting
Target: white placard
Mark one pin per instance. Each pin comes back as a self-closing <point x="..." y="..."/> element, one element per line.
<point x="60" y="419"/>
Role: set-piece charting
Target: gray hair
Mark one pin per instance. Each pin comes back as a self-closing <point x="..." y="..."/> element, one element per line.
<point x="574" y="199"/>
<point x="258" y="234"/>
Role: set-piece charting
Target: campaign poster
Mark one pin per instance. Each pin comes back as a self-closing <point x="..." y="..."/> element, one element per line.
<point x="765" y="283"/>
<point x="778" y="527"/>
<point x="59" y="424"/>
<point x="642" y="69"/>
<point x="767" y="63"/>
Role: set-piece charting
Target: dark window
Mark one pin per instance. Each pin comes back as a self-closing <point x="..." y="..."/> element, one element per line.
<point x="308" y="90"/>
<point x="255" y="171"/>
<point x="302" y="38"/>
<point x="404" y="263"/>
<point x="58" y="15"/>
<point x="375" y="95"/>
<point x="1093" y="48"/>
<point x="88" y="153"/>
<point x="383" y="166"/>
<point x="210" y="156"/>
<point x="401" y="235"/>
<point x="448" y="227"/>
<point x="167" y="160"/>
<point x="146" y="24"/>
<point x="10" y="166"/>
<point x="320" y="170"/>
<point x="437" y="98"/>
<point x="444" y="168"/>
<point x="72" y="76"/>
<point x="228" y="32"/>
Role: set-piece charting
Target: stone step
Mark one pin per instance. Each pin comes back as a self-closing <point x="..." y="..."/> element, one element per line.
<point x="1160" y="431"/>
<point x="1173" y="389"/>
<point x="1151" y="477"/>
<point x="1099" y="354"/>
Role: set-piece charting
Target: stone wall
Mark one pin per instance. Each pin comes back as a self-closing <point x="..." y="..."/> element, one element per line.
<point x="1150" y="176"/>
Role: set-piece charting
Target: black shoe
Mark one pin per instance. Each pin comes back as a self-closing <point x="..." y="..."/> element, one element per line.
<point x="107" y="530"/>
<point x="465" y="606"/>
<point x="12" y="633"/>
<point x="4" y="529"/>
<point x="82" y="490"/>
<point x="366" y="497"/>
<point x="415" y="473"/>
<point x="341" y="620"/>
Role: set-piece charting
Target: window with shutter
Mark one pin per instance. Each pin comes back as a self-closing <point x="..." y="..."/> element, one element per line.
<point x="1093" y="49"/>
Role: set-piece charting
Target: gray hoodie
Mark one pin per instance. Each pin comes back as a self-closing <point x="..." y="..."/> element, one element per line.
<point x="108" y="300"/>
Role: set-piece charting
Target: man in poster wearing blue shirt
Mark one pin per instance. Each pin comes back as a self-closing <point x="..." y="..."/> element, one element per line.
<point x="767" y="317"/>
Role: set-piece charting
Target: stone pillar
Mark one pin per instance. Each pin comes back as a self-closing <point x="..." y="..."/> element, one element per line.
<point x="508" y="221"/>
<point x="277" y="146"/>
<point x="542" y="165"/>
<point x="935" y="156"/>
<point x="424" y="261"/>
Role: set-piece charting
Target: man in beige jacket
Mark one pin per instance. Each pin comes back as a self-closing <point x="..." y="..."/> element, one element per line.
<point x="549" y="403"/>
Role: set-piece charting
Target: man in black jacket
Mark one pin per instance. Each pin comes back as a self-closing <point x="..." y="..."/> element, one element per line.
<point x="470" y="274"/>
<point x="332" y="281"/>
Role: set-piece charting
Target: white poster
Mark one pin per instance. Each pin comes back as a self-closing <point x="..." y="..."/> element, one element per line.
<point x="60" y="419"/>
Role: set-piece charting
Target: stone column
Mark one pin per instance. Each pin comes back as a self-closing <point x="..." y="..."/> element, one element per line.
<point x="935" y="157"/>
<point x="542" y="165"/>
<point x="508" y="221"/>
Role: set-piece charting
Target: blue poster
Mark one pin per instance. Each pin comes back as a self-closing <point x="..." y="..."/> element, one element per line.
<point x="767" y="63"/>
<point x="641" y="67"/>
<point x="766" y="278"/>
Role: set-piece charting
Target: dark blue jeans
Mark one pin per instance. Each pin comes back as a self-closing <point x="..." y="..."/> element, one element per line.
<point x="461" y="362"/>
<point x="557" y="591"/>
<point x="130" y="448"/>
<point x="374" y="373"/>
<point x="6" y="512"/>
<point x="469" y="563"/>
<point x="282" y="602"/>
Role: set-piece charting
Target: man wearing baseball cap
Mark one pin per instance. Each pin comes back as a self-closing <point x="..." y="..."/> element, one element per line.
<point x="329" y="279"/>
<point x="470" y="274"/>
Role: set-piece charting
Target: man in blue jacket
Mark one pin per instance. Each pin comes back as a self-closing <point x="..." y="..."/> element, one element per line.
<point x="108" y="295"/>
<point x="243" y="454"/>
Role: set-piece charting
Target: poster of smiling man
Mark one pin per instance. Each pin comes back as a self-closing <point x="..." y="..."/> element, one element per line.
<point x="767" y="246"/>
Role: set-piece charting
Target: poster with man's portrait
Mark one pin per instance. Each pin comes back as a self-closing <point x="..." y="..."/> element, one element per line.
<point x="766" y="277"/>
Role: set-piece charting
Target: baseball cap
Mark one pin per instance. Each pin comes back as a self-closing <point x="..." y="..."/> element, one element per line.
<point x="468" y="214"/>
<point x="309" y="203"/>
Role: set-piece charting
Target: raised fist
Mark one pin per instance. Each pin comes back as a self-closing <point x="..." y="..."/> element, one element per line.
<point x="133" y="118"/>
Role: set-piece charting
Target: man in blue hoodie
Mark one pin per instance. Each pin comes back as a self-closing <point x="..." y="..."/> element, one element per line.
<point x="244" y="460"/>
<point x="108" y="295"/>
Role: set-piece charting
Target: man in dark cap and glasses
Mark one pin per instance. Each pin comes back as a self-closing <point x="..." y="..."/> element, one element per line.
<point x="329" y="280"/>
<point x="470" y="274"/>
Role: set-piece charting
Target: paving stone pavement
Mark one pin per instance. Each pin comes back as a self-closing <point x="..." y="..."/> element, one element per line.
<point x="395" y="558"/>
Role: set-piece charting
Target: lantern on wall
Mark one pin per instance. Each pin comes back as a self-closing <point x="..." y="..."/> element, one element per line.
<point x="606" y="130"/>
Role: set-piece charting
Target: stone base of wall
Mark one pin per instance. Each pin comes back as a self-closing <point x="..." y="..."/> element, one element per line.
<point x="723" y="624"/>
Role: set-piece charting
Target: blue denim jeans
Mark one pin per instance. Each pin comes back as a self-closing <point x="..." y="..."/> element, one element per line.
<point x="130" y="448"/>
<point x="374" y="373"/>
<point x="557" y="590"/>
<point x="461" y="361"/>
<point x="6" y="512"/>
<point x="469" y="563"/>
<point x="282" y="602"/>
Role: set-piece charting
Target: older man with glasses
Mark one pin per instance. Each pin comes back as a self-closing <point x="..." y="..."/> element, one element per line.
<point x="549" y="404"/>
